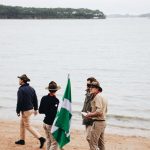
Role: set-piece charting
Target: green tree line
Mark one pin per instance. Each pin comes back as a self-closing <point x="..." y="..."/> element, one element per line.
<point x="15" y="12"/>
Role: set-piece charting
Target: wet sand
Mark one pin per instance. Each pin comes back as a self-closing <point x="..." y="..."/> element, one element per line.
<point x="10" y="133"/>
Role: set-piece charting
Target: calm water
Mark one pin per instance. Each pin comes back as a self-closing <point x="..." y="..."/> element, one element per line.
<point x="115" y="51"/>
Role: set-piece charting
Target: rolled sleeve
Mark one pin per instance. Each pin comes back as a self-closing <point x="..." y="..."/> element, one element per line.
<point x="98" y="104"/>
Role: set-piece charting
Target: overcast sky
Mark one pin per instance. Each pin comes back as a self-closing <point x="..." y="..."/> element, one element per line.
<point x="107" y="6"/>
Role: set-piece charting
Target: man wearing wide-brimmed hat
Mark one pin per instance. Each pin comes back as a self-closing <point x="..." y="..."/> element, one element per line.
<point x="87" y="107"/>
<point x="48" y="106"/>
<point x="98" y="115"/>
<point x="27" y="104"/>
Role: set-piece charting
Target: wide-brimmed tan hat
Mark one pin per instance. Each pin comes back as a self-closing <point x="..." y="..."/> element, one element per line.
<point x="96" y="84"/>
<point x="53" y="86"/>
<point x="24" y="78"/>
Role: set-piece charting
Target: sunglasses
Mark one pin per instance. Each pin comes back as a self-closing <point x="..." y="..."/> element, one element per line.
<point x="92" y="86"/>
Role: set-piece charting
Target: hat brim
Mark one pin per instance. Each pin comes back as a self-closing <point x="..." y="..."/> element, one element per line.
<point x="100" y="89"/>
<point x="27" y="79"/>
<point x="58" y="88"/>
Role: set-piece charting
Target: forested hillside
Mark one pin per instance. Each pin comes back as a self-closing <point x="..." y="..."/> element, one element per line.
<point x="10" y="12"/>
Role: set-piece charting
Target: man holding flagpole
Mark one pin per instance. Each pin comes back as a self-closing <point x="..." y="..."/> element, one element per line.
<point x="61" y="126"/>
<point x="48" y="107"/>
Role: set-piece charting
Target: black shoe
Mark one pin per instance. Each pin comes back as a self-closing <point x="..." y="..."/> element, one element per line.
<point x="42" y="141"/>
<point x="21" y="142"/>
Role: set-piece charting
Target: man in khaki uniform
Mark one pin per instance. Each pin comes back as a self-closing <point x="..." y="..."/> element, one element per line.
<point x="98" y="115"/>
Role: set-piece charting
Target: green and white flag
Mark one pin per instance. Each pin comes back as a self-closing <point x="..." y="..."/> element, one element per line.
<point x="61" y="126"/>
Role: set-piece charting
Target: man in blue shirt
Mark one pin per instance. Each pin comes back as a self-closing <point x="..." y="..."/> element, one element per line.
<point x="27" y="104"/>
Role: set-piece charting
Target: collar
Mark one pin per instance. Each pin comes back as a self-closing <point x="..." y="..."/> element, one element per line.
<point x="26" y="84"/>
<point x="96" y="93"/>
<point x="51" y="94"/>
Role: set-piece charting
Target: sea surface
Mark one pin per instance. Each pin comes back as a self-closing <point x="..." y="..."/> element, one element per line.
<point x="115" y="51"/>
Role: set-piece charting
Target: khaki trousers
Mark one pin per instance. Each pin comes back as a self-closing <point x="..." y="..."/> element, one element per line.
<point x="96" y="141"/>
<point x="25" y="124"/>
<point x="51" y="142"/>
<point x="88" y="130"/>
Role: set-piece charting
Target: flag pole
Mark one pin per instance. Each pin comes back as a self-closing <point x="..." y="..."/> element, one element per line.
<point x="68" y="75"/>
<point x="61" y="126"/>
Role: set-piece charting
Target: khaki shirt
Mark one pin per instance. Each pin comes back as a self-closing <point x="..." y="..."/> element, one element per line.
<point x="99" y="104"/>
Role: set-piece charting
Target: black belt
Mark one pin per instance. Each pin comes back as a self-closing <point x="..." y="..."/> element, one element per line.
<point x="97" y="120"/>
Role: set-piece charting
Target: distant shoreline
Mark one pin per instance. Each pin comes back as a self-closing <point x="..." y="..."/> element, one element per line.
<point x="17" y="12"/>
<point x="128" y="16"/>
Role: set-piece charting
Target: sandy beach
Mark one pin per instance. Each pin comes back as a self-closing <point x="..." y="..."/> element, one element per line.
<point x="10" y="133"/>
